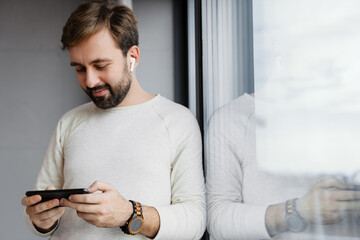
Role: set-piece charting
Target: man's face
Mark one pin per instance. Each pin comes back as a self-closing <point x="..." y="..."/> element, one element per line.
<point x="101" y="69"/>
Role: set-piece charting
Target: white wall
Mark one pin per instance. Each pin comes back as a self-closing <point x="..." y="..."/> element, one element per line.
<point x="156" y="69"/>
<point x="37" y="87"/>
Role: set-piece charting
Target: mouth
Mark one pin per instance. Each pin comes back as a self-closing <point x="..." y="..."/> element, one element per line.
<point x="99" y="92"/>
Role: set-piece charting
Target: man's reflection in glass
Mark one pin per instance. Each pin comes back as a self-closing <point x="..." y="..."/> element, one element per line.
<point x="247" y="202"/>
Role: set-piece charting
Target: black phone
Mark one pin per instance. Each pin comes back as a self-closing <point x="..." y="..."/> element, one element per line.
<point x="47" y="195"/>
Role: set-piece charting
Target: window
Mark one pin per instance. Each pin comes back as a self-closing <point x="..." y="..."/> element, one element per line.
<point x="281" y="113"/>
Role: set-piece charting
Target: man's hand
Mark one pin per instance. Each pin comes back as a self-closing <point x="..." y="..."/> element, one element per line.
<point x="328" y="202"/>
<point x="107" y="209"/>
<point x="43" y="215"/>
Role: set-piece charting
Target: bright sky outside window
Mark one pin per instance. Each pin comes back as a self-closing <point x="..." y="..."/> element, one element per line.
<point x="307" y="85"/>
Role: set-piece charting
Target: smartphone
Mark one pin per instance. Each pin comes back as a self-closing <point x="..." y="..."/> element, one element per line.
<point x="47" y="195"/>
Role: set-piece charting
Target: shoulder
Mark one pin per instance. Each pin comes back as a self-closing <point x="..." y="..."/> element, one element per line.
<point x="173" y="113"/>
<point x="76" y="116"/>
<point x="233" y="116"/>
<point x="180" y="123"/>
<point x="182" y="127"/>
<point x="79" y="112"/>
<point x="239" y="109"/>
<point x="170" y="108"/>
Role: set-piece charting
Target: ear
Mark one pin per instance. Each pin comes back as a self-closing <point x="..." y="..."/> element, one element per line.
<point x="133" y="57"/>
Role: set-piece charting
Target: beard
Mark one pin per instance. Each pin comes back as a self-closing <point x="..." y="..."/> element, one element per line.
<point x="117" y="93"/>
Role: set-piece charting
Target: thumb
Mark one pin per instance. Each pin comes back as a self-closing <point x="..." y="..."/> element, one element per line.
<point x="50" y="188"/>
<point x="100" y="186"/>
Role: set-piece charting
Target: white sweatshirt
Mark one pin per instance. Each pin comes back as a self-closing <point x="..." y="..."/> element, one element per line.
<point x="151" y="153"/>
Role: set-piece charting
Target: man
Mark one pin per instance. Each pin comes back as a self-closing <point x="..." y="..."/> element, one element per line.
<point x="126" y="144"/>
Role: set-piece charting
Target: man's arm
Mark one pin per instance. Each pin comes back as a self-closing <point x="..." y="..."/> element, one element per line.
<point x="185" y="217"/>
<point x="44" y="216"/>
<point x="228" y="216"/>
<point x="326" y="203"/>
<point x="50" y="175"/>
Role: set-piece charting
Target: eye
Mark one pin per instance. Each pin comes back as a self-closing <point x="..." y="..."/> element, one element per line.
<point x="101" y="67"/>
<point x="80" y="69"/>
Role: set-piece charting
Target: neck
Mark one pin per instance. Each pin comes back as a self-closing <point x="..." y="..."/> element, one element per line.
<point x="136" y="95"/>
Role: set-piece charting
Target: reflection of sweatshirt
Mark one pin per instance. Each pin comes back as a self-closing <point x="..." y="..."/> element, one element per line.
<point x="150" y="152"/>
<point x="239" y="192"/>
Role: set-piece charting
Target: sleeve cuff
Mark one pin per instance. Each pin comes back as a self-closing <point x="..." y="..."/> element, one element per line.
<point x="165" y="223"/>
<point x="32" y="228"/>
<point x="180" y="222"/>
<point x="255" y="223"/>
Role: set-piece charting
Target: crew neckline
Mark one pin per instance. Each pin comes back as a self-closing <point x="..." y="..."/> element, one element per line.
<point x="132" y="107"/>
<point x="247" y="97"/>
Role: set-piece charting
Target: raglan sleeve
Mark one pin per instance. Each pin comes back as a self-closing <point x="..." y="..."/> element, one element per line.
<point x="51" y="172"/>
<point x="185" y="217"/>
<point x="228" y="216"/>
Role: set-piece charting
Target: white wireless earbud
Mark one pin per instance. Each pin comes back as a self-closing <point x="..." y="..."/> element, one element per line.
<point x="132" y="64"/>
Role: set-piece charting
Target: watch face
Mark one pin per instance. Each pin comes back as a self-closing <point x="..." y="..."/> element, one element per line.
<point x="135" y="225"/>
<point x="294" y="223"/>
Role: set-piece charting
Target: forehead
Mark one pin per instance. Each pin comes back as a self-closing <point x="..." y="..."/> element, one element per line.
<point x="99" y="45"/>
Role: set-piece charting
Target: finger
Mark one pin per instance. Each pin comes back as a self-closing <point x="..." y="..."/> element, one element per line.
<point x="86" y="198"/>
<point x="100" y="186"/>
<point x="89" y="217"/>
<point x="345" y="195"/>
<point x="41" y="207"/>
<point x="28" y="201"/>
<point x="81" y="207"/>
<point x="49" y="214"/>
<point x="349" y="205"/>
<point x="331" y="183"/>
<point x="50" y="188"/>
<point x="50" y="221"/>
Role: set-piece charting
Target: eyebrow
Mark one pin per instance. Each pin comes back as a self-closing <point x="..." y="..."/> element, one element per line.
<point x="92" y="62"/>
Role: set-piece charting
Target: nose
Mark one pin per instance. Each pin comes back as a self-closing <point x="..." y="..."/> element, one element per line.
<point x="91" y="79"/>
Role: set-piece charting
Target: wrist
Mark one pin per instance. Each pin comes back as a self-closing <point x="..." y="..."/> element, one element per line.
<point x="46" y="230"/>
<point x="128" y="213"/>
<point x="135" y="222"/>
<point x="295" y="222"/>
<point x="151" y="222"/>
<point x="301" y="208"/>
<point x="274" y="219"/>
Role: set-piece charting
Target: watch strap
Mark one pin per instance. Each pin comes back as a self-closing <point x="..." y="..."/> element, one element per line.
<point x="291" y="212"/>
<point x="137" y="214"/>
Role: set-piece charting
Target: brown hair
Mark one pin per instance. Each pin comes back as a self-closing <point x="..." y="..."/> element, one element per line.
<point x="90" y="17"/>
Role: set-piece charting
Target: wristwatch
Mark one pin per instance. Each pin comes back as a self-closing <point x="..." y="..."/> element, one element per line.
<point x="136" y="221"/>
<point x="294" y="221"/>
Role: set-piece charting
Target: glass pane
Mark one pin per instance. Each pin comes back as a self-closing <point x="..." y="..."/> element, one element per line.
<point x="307" y="85"/>
<point x="287" y="154"/>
